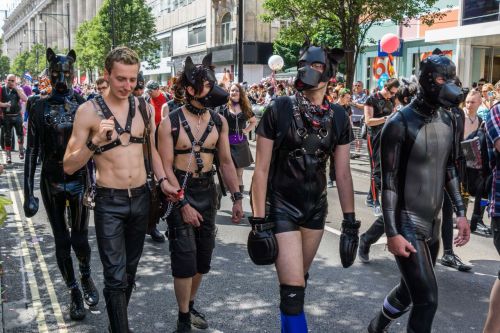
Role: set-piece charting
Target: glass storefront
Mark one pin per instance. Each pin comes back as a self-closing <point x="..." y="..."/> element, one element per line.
<point x="480" y="11"/>
<point x="486" y="64"/>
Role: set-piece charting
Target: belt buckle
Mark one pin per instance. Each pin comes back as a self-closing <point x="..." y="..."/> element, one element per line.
<point x="129" y="192"/>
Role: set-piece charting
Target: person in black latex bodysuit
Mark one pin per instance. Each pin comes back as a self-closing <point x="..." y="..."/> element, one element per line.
<point x="418" y="152"/>
<point x="290" y="174"/>
<point x="49" y="128"/>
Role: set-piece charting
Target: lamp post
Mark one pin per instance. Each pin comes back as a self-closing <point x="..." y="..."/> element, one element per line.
<point x="275" y="63"/>
<point x="240" y="41"/>
<point x="52" y="15"/>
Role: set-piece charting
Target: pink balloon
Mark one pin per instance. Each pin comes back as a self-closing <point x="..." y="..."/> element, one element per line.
<point x="389" y="43"/>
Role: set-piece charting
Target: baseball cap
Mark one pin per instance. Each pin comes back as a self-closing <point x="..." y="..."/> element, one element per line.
<point x="152" y="85"/>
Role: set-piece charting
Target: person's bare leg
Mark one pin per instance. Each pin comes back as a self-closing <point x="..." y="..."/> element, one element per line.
<point x="182" y="288"/>
<point x="492" y="324"/>
<point x="239" y="173"/>
<point x="310" y="243"/>
<point x="195" y="285"/>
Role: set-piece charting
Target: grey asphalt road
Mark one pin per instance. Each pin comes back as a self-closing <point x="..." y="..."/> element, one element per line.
<point x="236" y="295"/>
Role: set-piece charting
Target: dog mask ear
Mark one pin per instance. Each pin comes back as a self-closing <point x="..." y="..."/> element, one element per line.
<point x="305" y="46"/>
<point x="72" y="54"/>
<point x="336" y="55"/>
<point x="189" y="68"/>
<point x="207" y="60"/>
<point x="51" y="56"/>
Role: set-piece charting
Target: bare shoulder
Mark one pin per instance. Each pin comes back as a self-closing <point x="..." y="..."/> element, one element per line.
<point x="88" y="113"/>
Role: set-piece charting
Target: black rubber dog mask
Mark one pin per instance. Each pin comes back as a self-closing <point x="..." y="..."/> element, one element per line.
<point x="61" y="70"/>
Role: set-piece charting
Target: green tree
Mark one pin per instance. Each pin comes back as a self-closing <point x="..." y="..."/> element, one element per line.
<point x="344" y="21"/>
<point x="19" y="63"/>
<point x="4" y="66"/>
<point x="134" y="27"/>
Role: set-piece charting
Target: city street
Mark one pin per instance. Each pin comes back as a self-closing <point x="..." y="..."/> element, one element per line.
<point x="236" y="295"/>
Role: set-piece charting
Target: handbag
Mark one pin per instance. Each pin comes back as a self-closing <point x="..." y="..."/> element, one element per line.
<point x="155" y="202"/>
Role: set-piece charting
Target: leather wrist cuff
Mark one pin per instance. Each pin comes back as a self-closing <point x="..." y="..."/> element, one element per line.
<point x="236" y="196"/>
<point x="181" y="203"/>
<point x="351" y="217"/>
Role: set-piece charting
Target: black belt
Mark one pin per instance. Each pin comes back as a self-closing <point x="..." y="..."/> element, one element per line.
<point x="195" y="175"/>
<point x="128" y="192"/>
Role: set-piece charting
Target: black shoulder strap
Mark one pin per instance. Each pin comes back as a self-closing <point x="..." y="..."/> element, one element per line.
<point x="107" y="113"/>
<point x="216" y="119"/>
<point x="148" y="158"/>
<point x="283" y="107"/>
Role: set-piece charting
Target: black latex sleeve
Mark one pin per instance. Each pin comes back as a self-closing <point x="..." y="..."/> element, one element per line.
<point x="392" y="138"/>
<point x="32" y="150"/>
<point x="453" y="189"/>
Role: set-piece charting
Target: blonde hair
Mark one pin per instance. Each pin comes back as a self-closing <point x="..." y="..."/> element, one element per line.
<point x="121" y="54"/>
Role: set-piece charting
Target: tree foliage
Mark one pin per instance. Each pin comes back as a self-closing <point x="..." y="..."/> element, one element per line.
<point x="33" y="61"/>
<point x="134" y="27"/>
<point x="4" y="63"/>
<point x="343" y="23"/>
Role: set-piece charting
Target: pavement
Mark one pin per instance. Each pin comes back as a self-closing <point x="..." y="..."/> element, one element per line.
<point x="236" y="295"/>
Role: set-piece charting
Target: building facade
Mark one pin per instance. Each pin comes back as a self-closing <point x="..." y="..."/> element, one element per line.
<point x="45" y="22"/>
<point x="196" y="27"/>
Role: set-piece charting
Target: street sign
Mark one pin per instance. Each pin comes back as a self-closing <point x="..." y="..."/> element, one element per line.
<point x="397" y="53"/>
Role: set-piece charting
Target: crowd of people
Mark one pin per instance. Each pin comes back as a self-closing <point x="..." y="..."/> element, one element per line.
<point x="135" y="151"/>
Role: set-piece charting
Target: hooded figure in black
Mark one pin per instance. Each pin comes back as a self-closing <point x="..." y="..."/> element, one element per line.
<point x="295" y="138"/>
<point x="49" y="128"/>
<point x="418" y="151"/>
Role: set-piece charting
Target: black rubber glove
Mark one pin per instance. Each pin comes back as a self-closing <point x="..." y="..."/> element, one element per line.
<point x="349" y="239"/>
<point x="262" y="244"/>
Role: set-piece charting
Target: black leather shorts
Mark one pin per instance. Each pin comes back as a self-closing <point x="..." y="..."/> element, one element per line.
<point x="289" y="218"/>
<point x="191" y="248"/>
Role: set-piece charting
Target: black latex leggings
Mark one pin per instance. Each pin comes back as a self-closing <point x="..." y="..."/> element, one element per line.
<point x="55" y="205"/>
<point x="376" y="172"/>
<point x="10" y="123"/>
<point x="447" y="226"/>
<point x="418" y="286"/>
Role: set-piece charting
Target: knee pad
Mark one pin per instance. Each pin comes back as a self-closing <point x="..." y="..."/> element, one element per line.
<point x="292" y="299"/>
<point x="393" y="309"/>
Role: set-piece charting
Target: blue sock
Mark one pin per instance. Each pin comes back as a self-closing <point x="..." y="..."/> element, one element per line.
<point x="293" y="324"/>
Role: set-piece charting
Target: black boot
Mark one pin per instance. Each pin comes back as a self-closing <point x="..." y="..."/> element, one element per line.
<point x="90" y="293"/>
<point x="116" y="306"/>
<point x="379" y="324"/>
<point x="76" y="309"/>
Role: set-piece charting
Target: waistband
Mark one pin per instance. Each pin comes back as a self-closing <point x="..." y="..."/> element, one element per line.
<point x="129" y="192"/>
<point x="195" y="175"/>
<point x="202" y="179"/>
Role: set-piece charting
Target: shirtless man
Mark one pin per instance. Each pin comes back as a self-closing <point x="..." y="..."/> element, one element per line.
<point x="190" y="140"/>
<point x="122" y="198"/>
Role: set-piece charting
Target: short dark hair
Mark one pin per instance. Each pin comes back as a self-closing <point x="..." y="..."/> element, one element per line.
<point x="391" y="83"/>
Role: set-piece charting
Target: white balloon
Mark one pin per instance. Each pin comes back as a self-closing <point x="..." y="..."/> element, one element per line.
<point x="275" y="62"/>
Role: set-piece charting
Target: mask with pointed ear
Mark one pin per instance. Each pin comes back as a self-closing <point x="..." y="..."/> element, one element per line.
<point x="307" y="76"/>
<point x="61" y="71"/>
<point x="196" y="75"/>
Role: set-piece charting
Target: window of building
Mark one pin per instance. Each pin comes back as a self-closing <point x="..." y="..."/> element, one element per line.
<point x="479" y="11"/>
<point x="226" y="33"/>
<point x="175" y="4"/>
<point x="166" y="5"/>
<point x="166" y="47"/>
<point x="196" y="34"/>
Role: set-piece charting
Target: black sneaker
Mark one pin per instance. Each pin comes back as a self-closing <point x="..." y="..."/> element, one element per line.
<point x="183" y="327"/>
<point x="198" y="320"/>
<point x="452" y="260"/>
<point x="363" y="251"/>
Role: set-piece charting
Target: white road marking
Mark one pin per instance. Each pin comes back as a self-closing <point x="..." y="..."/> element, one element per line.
<point x="35" y="293"/>
<point x="45" y="272"/>
<point x="381" y="241"/>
